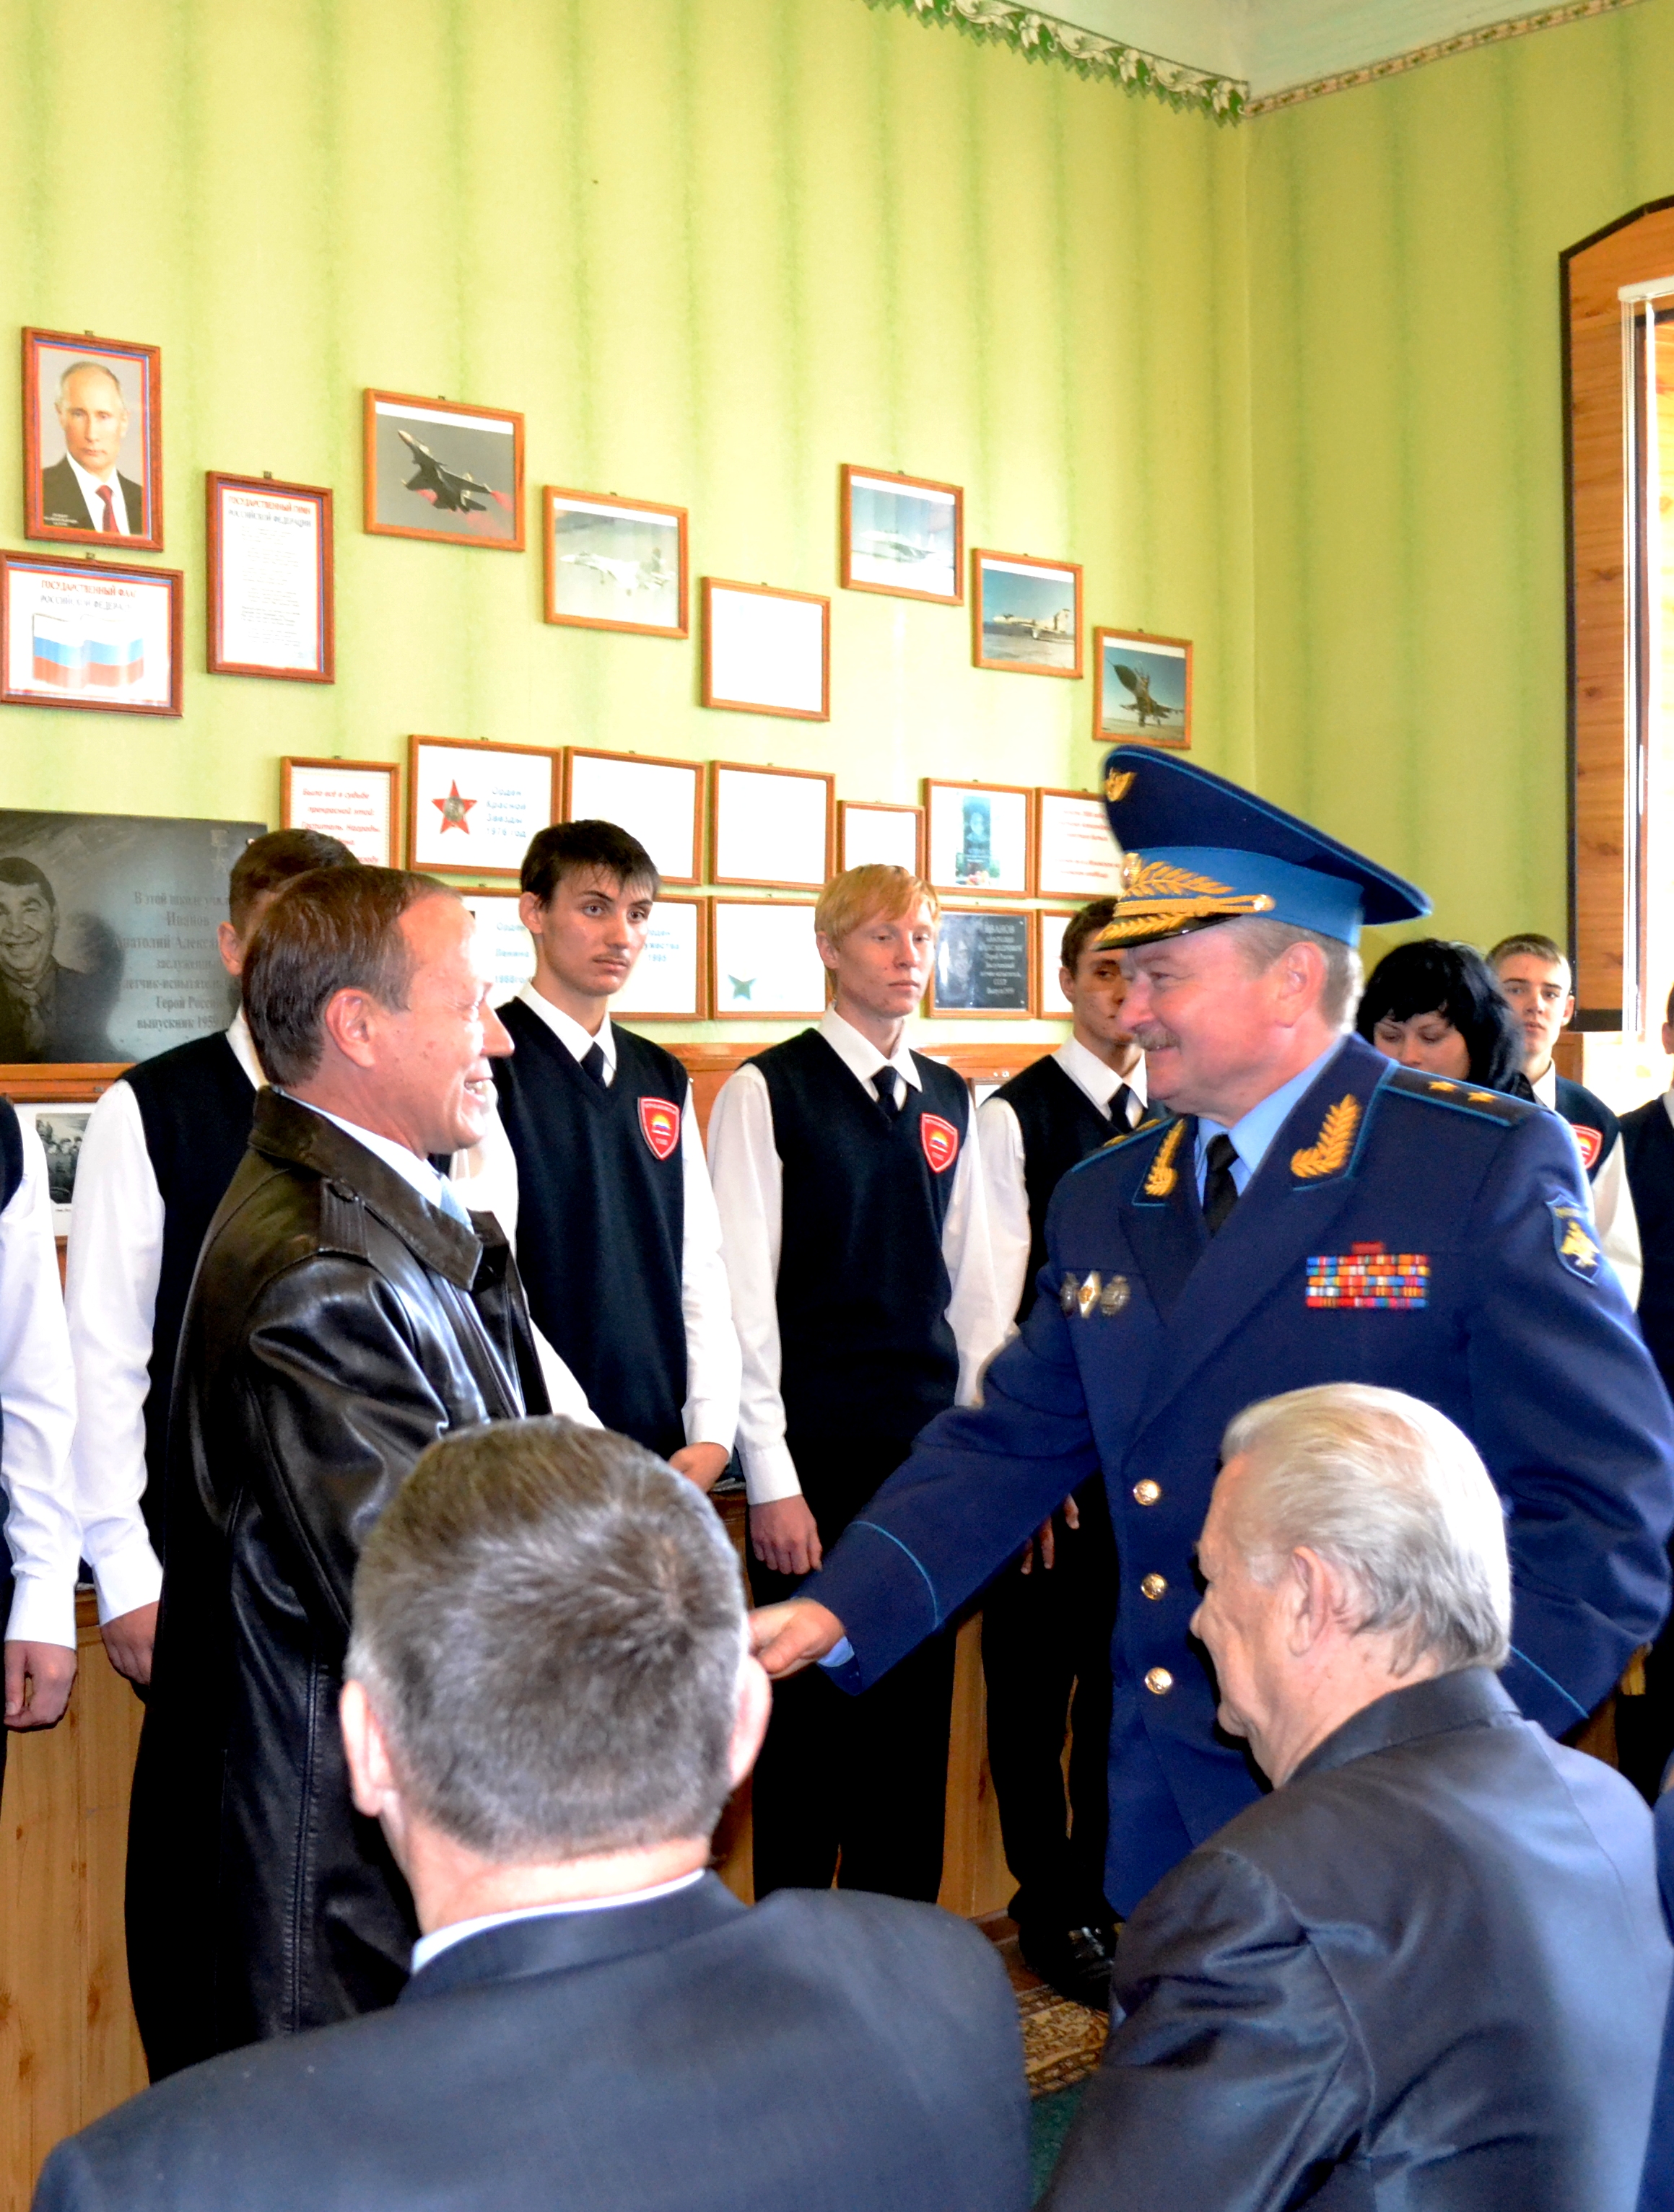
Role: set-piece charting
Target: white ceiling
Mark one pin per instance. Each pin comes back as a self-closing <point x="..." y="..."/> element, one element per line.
<point x="1272" y="43"/>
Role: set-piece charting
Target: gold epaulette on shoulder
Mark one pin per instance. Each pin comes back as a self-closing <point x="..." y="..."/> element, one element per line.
<point x="1462" y="1097"/>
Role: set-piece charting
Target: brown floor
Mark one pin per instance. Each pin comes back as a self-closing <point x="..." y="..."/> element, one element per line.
<point x="1001" y="1932"/>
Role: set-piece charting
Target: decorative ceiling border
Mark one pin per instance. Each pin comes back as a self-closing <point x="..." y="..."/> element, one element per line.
<point x="1488" y="34"/>
<point x="1044" y="38"/>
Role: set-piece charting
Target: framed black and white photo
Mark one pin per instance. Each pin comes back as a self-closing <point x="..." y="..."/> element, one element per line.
<point x="771" y="826"/>
<point x="614" y="563"/>
<point x="871" y="834"/>
<point x="764" y="962"/>
<point x="1025" y="615"/>
<point x="444" y="471"/>
<point x="511" y="949"/>
<point x="357" y="802"/>
<point x="61" y="1126"/>
<point x="473" y="806"/>
<point x="90" y="635"/>
<point x="977" y="837"/>
<point x="1051" y="1003"/>
<point x="660" y="802"/>
<point x="984" y="964"/>
<point x="671" y="975"/>
<point x="270" y="578"/>
<point x="903" y="535"/>
<point x="1075" y="855"/>
<point x="92" y="440"/>
<point x="766" y="651"/>
<point x="1143" y="688"/>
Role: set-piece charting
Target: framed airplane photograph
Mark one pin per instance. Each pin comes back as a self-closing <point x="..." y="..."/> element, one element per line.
<point x="660" y="802"/>
<point x="1143" y="688"/>
<point x="1075" y="855"/>
<point x="357" y="802"/>
<point x="93" y="440"/>
<point x="977" y="837"/>
<point x="270" y="578"/>
<point x="903" y="535"/>
<point x="614" y="563"/>
<point x="771" y="826"/>
<point x="1025" y="615"/>
<point x="872" y="834"/>
<point x="765" y="964"/>
<point x="90" y="635"/>
<point x="766" y="651"/>
<point x="984" y="964"/>
<point x="671" y="975"/>
<point x="439" y="470"/>
<point x="473" y="806"/>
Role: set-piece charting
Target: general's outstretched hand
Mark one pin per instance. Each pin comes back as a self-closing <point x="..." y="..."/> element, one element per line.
<point x="790" y="1637"/>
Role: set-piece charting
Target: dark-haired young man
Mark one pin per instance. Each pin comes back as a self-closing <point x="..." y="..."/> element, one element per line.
<point x="597" y="1172"/>
<point x="161" y="1148"/>
<point x="1047" y="1621"/>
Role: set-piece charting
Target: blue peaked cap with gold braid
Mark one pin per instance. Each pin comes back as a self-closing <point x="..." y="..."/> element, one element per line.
<point x="1198" y="850"/>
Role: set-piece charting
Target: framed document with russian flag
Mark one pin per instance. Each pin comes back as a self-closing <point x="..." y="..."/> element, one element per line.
<point x="90" y="635"/>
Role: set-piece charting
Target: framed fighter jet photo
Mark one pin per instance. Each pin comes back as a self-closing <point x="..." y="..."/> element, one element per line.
<point x="472" y="806"/>
<point x="978" y="837"/>
<point x="93" y="440"/>
<point x="438" y="469"/>
<point x="1025" y="615"/>
<point x="903" y="535"/>
<point x="614" y="563"/>
<point x="1144" y="688"/>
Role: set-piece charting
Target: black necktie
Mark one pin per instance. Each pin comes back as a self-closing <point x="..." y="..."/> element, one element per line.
<point x="592" y="1063"/>
<point x="1220" y="1191"/>
<point x="887" y="1084"/>
<point x="1122" y="1108"/>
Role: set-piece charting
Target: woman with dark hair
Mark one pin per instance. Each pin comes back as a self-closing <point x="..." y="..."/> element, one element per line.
<point x="1435" y="1005"/>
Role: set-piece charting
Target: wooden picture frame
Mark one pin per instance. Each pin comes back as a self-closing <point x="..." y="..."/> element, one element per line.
<point x="900" y="540"/>
<point x="619" y="560"/>
<point x="782" y="832"/>
<point x="1017" y="613"/>
<point x="741" y="648"/>
<point x="50" y="486"/>
<point x="967" y="851"/>
<point x="511" y="949"/>
<point x="61" y="1124"/>
<point x="978" y="950"/>
<point x="1162" y="664"/>
<point x="458" y="465"/>
<point x="514" y="803"/>
<point x="245" y="497"/>
<point x="87" y="634"/>
<point x="1075" y="855"/>
<point x="784" y="964"/>
<point x="676" y="851"/>
<point x="858" y="845"/>
<point x="645" y="996"/>
<point x="1051" y="1004"/>
<point x="358" y="802"/>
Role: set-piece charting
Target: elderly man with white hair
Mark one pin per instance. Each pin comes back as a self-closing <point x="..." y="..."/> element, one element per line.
<point x="1429" y="1971"/>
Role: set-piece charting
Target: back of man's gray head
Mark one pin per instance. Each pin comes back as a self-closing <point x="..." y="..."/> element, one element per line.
<point x="1394" y="1495"/>
<point x="549" y="1623"/>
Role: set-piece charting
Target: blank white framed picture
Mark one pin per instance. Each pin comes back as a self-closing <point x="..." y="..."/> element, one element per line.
<point x="766" y="651"/>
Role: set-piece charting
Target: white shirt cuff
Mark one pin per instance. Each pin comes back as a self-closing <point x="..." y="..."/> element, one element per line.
<point x="707" y="1423"/>
<point x="128" y="1575"/>
<point x="770" y="1472"/>
<point x="42" y="1612"/>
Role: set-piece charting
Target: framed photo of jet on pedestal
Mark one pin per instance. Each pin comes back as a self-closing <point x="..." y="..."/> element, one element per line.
<point x="1025" y="615"/>
<point x="437" y="470"/>
<point x="903" y="535"/>
<point x="1144" y="688"/>
<point x="615" y="564"/>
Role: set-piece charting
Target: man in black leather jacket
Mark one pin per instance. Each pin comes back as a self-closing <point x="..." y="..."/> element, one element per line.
<point x="346" y="1313"/>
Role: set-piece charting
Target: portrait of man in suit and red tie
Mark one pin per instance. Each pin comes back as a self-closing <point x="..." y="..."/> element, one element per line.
<point x="94" y="436"/>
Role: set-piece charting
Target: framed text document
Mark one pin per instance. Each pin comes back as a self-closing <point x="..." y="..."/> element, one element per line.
<point x="511" y="949"/>
<point x="472" y="807"/>
<point x="871" y="836"/>
<point x="1075" y="855"/>
<point x="270" y="576"/>
<point x="357" y="802"/>
<point x="669" y="979"/>
<point x="660" y="802"/>
<point x="772" y="826"/>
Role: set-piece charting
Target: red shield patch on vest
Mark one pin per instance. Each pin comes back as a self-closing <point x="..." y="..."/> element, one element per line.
<point x="941" y="1140"/>
<point x="1592" y="1142"/>
<point x="660" y="1121"/>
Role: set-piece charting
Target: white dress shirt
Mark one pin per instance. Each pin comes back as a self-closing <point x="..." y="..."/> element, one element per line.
<point x="1007" y="1196"/>
<point x="443" y="1939"/>
<point x="749" y="1189"/>
<point x="114" y="1265"/>
<point x="90" y="490"/>
<point x="1612" y="1202"/>
<point x="38" y="1399"/>
<point x="487" y="1175"/>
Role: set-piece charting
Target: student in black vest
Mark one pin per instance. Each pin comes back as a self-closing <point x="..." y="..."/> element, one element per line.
<point x="160" y="1149"/>
<point x="852" y="1214"/>
<point x="1535" y="977"/>
<point x="1048" y="1620"/>
<point x="596" y="1171"/>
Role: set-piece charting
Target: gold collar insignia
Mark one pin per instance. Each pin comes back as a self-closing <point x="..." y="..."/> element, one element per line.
<point x="1328" y="1155"/>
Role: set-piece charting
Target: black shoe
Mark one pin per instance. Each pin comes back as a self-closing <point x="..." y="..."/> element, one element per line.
<point x="1076" y="1961"/>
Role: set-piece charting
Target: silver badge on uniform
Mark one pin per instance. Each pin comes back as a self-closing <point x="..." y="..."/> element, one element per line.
<point x="1090" y="1292"/>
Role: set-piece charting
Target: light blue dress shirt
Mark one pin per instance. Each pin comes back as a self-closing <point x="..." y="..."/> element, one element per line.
<point x="1254" y="1133"/>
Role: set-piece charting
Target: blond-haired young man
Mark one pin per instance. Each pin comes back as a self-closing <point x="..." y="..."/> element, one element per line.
<point x="852" y="1219"/>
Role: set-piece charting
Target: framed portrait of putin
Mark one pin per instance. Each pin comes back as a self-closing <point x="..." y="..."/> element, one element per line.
<point x="92" y="440"/>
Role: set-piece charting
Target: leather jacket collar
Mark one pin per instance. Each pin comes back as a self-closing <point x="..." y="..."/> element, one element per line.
<point x="1471" y="1699"/>
<point x="285" y="1130"/>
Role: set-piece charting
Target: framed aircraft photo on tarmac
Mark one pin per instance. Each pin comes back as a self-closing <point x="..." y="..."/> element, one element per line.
<point x="435" y="468"/>
<point x="903" y="535"/>
<point x="1143" y="688"/>
<point x="1025" y="616"/>
<point x="92" y="440"/>
<point x="614" y="563"/>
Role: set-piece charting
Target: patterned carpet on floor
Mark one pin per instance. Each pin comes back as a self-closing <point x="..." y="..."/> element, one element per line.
<point x="1061" y="2046"/>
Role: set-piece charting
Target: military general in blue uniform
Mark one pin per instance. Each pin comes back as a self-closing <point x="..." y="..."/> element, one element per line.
<point x="1302" y="1211"/>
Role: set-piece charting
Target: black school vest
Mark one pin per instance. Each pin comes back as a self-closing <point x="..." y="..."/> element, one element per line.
<point x="1649" y="1156"/>
<point x="195" y="1108"/>
<point x="866" y="1352"/>
<point x="601" y="1219"/>
<point x="1060" y="1126"/>
<point x="1596" y="1127"/>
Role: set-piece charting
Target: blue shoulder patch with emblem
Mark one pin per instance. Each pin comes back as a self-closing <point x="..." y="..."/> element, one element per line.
<point x="1462" y="1097"/>
<point x="1572" y="1233"/>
